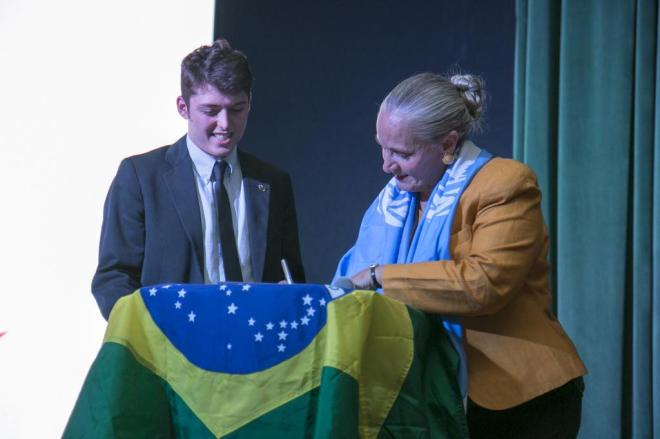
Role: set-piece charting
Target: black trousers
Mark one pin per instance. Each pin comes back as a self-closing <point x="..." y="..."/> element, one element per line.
<point x="555" y="414"/>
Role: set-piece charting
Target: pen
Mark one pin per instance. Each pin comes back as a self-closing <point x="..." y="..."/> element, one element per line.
<point x="287" y="273"/>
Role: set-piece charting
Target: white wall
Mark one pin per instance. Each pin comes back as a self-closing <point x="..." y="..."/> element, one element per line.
<point x="83" y="83"/>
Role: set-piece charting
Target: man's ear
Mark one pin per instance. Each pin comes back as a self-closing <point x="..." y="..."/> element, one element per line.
<point x="449" y="142"/>
<point x="182" y="107"/>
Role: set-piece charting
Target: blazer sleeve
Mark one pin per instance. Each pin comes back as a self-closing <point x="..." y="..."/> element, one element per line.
<point x="507" y="237"/>
<point x="290" y="240"/>
<point x="121" y="248"/>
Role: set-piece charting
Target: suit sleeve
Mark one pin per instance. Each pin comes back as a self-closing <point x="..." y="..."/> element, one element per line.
<point x="121" y="247"/>
<point x="290" y="241"/>
<point x="507" y="238"/>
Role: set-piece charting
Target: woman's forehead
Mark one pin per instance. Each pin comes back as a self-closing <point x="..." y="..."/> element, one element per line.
<point x="392" y="128"/>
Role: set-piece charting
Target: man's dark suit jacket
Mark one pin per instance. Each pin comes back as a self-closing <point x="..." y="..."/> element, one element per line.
<point x="152" y="228"/>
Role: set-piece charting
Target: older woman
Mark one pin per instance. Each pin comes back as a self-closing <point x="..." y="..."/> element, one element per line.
<point x="459" y="233"/>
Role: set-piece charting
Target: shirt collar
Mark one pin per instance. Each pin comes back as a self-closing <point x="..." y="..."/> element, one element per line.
<point x="204" y="162"/>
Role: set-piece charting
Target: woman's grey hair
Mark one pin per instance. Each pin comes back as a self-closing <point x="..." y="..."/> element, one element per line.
<point x="435" y="105"/>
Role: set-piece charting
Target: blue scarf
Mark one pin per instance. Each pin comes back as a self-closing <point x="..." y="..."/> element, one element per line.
<point x="386" y="230"/>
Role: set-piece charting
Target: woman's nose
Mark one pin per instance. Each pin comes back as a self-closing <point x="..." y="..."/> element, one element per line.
<point x="389" y="167"/>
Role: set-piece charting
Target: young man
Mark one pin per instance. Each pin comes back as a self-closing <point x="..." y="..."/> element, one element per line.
<point x="200" y="210"/>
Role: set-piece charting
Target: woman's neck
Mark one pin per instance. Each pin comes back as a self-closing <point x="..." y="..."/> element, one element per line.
<point x="423" y="199"/>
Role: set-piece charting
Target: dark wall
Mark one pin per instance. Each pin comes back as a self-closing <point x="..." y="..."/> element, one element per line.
<point x="321" y="69"/>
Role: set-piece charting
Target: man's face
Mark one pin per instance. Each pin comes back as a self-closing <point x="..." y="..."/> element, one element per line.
<point x="216" y="121"/>
<point x="417" y="166"/>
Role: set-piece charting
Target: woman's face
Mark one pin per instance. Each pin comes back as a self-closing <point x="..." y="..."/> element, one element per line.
<point x="416" y="165"/>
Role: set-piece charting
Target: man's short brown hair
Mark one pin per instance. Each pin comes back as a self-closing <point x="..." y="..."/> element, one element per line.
<point x="218" y="65"/>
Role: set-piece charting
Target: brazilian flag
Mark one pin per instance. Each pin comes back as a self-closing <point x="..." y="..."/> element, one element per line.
<point x="268" y="361"/>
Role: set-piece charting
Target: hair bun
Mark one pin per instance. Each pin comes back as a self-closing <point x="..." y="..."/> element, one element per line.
<point x="471" y="88"/>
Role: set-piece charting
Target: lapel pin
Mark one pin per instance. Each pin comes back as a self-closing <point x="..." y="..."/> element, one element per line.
<point x="262" y="187"/>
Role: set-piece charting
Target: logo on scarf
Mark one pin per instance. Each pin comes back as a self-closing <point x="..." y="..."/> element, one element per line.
<point x="445" y="194"/>
<point x="441" y="204"/>
<point x="393" y="204"/>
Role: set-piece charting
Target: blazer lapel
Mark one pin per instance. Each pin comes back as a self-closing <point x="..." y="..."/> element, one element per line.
<point x="180" y="181"/>
<point x="257" y="198"/>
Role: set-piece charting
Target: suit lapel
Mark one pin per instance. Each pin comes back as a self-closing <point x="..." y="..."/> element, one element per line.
<point x="257" y="198"/>
<point x="180" y="181"/>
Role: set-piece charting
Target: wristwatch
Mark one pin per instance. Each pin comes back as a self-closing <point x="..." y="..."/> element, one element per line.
<point x="374" y="280"/>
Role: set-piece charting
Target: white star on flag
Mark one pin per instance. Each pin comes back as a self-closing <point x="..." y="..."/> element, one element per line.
<point x="322" y="302"/>
<point x="152" y="292"/>
<point x="307" y="300"/>
<point x="231" y="309"/>
<point x="280" y="348"/>
<point x="177" y="304"/>
<point x="228" y="292"/>
<point x="223" y="287"/>
<point x="294" y="325"/>
<point x="304" y="321"/>
<point x="310" y="311"/>
<point x="167" y="286"/>
<point x="258" y="336"/>
<point x="283" y="324"/>
<point x="229" y="346"/>
<point x="282" y="335"/>
<point x="191" y="316"/>
<point x="182" y="293"/>
<point x="251" y="322"/>
<point x="246" y="287"/>
<point x="269" y="326"/>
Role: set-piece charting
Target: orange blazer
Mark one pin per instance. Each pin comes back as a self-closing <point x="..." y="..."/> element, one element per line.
<point x="497" y="281"/>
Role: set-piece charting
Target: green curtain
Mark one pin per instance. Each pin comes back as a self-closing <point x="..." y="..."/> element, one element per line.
<point x="587" y="120"/>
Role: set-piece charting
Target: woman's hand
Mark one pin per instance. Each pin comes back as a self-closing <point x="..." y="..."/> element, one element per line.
<point x="362" y="279"/>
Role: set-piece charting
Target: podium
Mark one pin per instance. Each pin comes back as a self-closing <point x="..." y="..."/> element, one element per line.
<point x="269" y="360"/>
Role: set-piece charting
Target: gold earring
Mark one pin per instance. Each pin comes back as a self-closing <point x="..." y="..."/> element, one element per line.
<point x="448" y="158"/>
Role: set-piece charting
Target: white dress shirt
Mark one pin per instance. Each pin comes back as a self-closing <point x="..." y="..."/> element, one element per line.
<point x="203" y="163"/>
